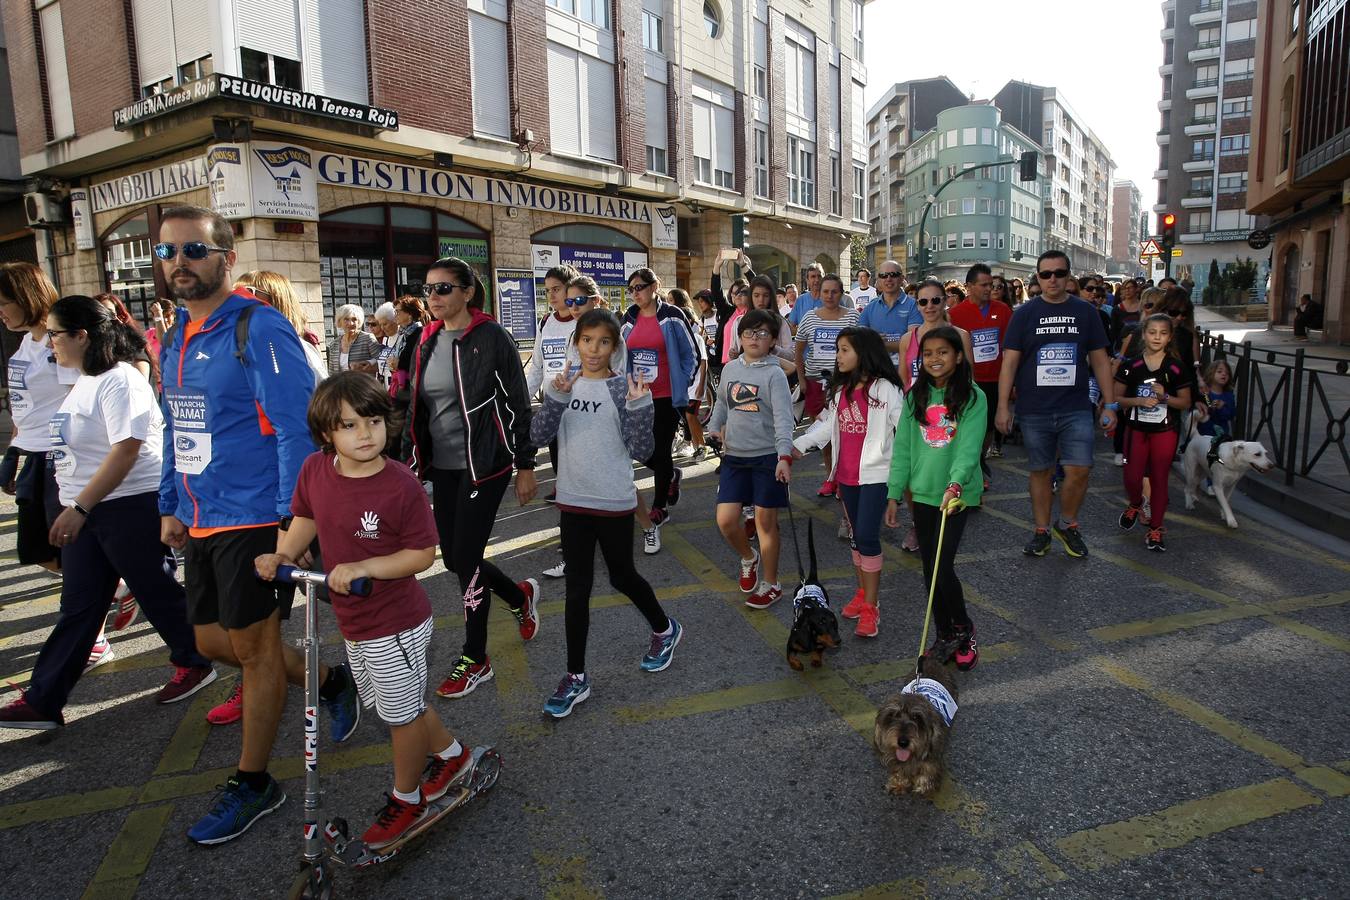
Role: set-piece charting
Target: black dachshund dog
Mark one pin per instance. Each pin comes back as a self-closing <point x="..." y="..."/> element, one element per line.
<point x="815" y="628"/>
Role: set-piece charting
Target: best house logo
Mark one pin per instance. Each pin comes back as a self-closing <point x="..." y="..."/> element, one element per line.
<point x="284" y="163"/>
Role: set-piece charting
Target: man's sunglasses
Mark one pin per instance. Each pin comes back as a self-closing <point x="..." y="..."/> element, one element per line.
<point x="1047" y="274"/>
<point x="929" y="301"/>
<point x="888" y="274"/>
<point x="194" y="250"/>
<point x="441" y="288"/>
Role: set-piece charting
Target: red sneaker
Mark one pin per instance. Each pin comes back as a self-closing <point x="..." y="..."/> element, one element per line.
<point x="528" y="614"/>
<point x="125" y="607"/>
<point x="868" y="622"/>
<point x="466" y="676"/>
<point x="186" y="681"/>
<point x="18" y="714"/>
<point x="440" y="773"/>
<point x="854" y="608"/>
<point x="827" y="489"/>
<point x="750" y="572"/>
<point x="967" y="652"/>
<point x="232" y="710"/>
<point x="393" y="822"/>
<point x="765" y="596"/>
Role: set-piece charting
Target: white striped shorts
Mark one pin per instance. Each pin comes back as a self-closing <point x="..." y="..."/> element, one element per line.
<point x="391" y="673"/>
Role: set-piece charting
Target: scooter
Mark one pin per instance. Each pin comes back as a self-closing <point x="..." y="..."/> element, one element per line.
<point x="335" y="846"/>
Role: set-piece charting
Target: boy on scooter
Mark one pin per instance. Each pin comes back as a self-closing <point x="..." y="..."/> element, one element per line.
<point x="373" y="521"/>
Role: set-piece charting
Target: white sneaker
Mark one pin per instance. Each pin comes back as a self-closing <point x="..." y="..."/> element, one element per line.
<point x="1119" y="460"/>
<point x="557" y="571"/>
<point x="100" y="653"/>
<point x="651" y="541"/>
<point x="683" y="451"/>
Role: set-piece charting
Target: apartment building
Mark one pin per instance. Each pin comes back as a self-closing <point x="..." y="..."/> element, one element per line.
<point x="987" y="215"/>
<point x="1204" y="137"/>
<point x="1079" y="172"/>
<point x="1300" y="163"/>
<point x="355" y="141"/>
<point x="904" y="112"/>
<point x="16" y="240"/>
<point x="1126" y="208"/>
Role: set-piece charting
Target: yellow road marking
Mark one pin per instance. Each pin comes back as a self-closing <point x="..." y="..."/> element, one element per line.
<point x="181" y="753"/>
<point x="1325" y="779"/>
<point x="564" y="877"/>
<point x="1029" y="864"/>
<point x="50" y="809"/>
<point x="1176" y="826"/>
<point x="947" y="879"/>
<point x="1177" y="622"/>
<point x="714" y="701"/>
<point x="130" y="851"/>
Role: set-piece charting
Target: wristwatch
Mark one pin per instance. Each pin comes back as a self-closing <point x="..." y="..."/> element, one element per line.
<point x="284" y="523"/>
<point x="1113" y="406"/>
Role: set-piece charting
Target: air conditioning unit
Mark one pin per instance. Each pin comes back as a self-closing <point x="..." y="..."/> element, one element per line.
<point x="43" y="210"/>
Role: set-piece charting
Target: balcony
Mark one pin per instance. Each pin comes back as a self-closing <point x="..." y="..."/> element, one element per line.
<point x="1160" y="174"/>
<point x="1160" y="208"/>
<point x="1198" y="164"/>
<point x="1197" y="199"/>
<point x="1201" y="125"/>
<point x="1168" y="33"/>
<point x="1165" y="69"/>
<point x="1164" y="104"/>
<point x="1207" y="87"/>
<point x="1164" y="138"/>
<point x="1201" y="52"/>
<point x="1208" y="12"/>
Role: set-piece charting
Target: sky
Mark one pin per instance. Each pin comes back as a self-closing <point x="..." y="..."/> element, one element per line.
<point x="1102" y="55"/>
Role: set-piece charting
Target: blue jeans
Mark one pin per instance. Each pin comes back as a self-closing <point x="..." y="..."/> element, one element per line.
<point x="864" y="504"/>
<point x="120" y="538"/>
<point x="1063" y="436"/>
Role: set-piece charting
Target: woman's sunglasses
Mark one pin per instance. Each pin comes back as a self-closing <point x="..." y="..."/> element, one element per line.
<point x="441" y="288"/>
<point x="928" y="301"/>
<point x="578" y="301"/>
<point x="194" y="250"/>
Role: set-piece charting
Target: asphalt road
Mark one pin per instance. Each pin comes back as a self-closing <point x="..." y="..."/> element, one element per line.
<point x="1138" y="725"/>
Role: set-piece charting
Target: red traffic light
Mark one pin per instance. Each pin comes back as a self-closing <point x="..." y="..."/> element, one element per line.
<point x="1169" y="220"/>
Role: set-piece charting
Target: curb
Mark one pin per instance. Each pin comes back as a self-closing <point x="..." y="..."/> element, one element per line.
<point x="1275" y="495"/>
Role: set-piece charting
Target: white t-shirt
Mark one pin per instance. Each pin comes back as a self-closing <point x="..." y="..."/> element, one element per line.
<point x="99" y="411"/>
<point x="864" y="296"/>
<point x="37" y="385"/>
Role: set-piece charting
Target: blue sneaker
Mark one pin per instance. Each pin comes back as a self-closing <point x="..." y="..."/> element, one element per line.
<point x="662" y="649"/>
<point x="344" y="711"/>
<point x="571" y="691"/>
<point x="237" y="807"/>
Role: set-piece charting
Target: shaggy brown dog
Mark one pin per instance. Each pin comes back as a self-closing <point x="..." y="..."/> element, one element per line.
<point x="911" y="730"/>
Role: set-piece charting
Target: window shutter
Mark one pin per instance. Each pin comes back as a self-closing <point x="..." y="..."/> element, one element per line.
<point x="271" y="26"/>
<point x="792" y="93"/>
<point x="702" y="129"/>
<point x="58" y="80"/>
<point x="656" y="114"/>
<point x="154" y="42"/>
<point x="564" y="100"/>
<point x="725" y="129"/>
<point x="334" y="52"/>
<point x="600" y="141"/>
<point x="192" y="31"/>
<point x="491" y="81"/>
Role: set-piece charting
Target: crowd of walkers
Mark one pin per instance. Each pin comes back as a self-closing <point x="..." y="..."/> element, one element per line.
<point x="129" y="449"/>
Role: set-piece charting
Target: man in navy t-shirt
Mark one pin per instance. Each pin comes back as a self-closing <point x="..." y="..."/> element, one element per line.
<point x="1053" y="345"/>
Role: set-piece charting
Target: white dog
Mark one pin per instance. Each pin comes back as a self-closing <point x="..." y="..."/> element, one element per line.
<point x="1230" y="462"/>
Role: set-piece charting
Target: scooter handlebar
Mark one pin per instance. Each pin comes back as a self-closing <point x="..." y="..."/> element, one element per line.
<point x="360" y="587"/>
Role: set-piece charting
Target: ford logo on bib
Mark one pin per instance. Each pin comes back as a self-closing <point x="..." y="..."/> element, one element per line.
<point x="184" y="443"/>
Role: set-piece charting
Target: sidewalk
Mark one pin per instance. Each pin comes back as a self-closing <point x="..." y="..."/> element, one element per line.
<point x="1314" y="504"/>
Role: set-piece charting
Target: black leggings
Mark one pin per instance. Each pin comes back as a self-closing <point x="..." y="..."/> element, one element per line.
<point x="667" y="419"/>
<point x="614" y="534"/>
<point x="465" y="514"/>
<point x="949" y="601"/>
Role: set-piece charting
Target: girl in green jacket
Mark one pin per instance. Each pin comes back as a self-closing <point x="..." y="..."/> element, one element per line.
<point x="937" y="457"/>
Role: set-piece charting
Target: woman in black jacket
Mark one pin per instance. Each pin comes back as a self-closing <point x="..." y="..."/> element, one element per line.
<point x="469" y="422"/>
<point x="410" y="315"/>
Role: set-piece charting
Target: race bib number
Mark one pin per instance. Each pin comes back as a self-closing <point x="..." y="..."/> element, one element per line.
<point x="19" y="403"/>
<point x="913" y="369"/>
<point x="554" y="352"/>
<point x="63" y="461"/>
<point x="894" y="338"/>
<point x="1158" y="414"/>
<point x="984" y="341"/>
<point x="644" y="363"/>
<point x="823" y="344"/>
<point x="1057" y="365"/>
<point x="191" y="430"/>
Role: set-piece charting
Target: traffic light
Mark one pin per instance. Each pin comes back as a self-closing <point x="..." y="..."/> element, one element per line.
<point x="740" y="231"/>
<point x="1029" y="162"/>
<point x="1168" y="231"/>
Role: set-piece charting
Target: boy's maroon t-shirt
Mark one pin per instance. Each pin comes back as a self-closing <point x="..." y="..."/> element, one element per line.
<point x="360" y="518"/>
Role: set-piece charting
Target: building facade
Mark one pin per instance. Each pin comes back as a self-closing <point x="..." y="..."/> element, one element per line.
<point x="1126" y="202"/>
<point x="1078" y="168"/>
<point x="609" y="134"/>
<point x="1204" y="139"/>
<point x="16" y="239"/>
<point x="905" y="111"/>
<point x="988" y="215"/>
<point x="1300" y="163"/>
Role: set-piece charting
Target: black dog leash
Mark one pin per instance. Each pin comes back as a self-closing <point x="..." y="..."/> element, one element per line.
<point x="796" y="548"/>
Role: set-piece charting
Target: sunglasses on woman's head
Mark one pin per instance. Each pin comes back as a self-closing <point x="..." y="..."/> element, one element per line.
<point x="194" y="250"/>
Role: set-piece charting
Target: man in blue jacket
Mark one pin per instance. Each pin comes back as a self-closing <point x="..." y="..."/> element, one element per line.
<point x="235" y="402"/>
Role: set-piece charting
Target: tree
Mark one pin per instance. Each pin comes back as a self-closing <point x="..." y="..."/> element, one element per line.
<point x="857" y="246"/>
<point x="1213" y="293"/>
<point x="1240" y="278"/>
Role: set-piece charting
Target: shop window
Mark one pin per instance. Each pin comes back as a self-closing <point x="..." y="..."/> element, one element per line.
<point x="605" y="254"/>
<point x="269" y="68"/>
<point x="129" y="269"/>
<point x="371" y="254"/>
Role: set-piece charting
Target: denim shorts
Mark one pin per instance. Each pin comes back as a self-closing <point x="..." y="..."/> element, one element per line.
<point x="1064" y="437"/>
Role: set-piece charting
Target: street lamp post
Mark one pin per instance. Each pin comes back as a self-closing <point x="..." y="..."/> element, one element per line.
<point x="886" y="176"/>
<point x="932" y="198"/>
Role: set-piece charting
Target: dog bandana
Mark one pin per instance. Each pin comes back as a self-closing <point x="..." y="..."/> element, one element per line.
<point x="935" y="694"/>
<point x="809" y="595"/>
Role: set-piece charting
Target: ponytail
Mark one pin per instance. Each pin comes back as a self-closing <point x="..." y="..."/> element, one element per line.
<point x="110" y="341"/>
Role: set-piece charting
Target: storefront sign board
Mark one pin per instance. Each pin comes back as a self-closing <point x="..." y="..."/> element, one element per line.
<point x="152" y="184"/>
<point x="607" y="267"/>
<point x="515" y="302"/>
<point x="231" y="87"/>
<point x="269" y="180"/>
<point x="83" y="218"/>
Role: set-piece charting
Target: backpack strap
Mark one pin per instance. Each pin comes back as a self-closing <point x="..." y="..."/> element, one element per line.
<point x="241" y="333"/>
